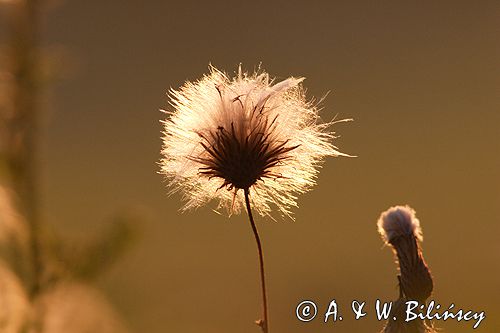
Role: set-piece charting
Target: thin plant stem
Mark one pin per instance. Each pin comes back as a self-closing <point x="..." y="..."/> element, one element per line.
<point x="264" y="324"/>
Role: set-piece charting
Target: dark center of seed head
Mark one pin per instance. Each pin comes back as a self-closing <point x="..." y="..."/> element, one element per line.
<point x="241" y="162"/>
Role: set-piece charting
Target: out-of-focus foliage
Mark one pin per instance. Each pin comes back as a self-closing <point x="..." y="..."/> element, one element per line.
<point x="43" y="278"/>
<point x="65" y="303"/>
<point x="86" y="261"/>
<point x="14" y="303"/>
<point x="13" y="235"/>
<point x="74" y="307"/>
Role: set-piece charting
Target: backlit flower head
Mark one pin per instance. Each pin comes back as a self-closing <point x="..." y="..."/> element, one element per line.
<point x="400" y="228"/>
<point x="399" y="221"/>
<point x="247" y="132"/>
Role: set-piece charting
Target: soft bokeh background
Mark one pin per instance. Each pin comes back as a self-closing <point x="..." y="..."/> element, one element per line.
<point x="421" y="81"/>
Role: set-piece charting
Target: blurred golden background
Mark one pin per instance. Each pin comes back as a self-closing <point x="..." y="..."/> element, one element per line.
<point x="421" y="81"/>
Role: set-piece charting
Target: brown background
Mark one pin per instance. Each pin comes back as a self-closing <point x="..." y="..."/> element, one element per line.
<point x="421" y="81"/>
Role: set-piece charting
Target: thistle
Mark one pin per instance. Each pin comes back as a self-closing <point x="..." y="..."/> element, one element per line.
<point x="400" y="228"/>
<point x="244" y="141"/>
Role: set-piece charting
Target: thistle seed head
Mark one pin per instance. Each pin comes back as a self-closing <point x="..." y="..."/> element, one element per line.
<point x="400" y="228"/>
<point x="399" y="221"/>
<point x="247" y="132"/>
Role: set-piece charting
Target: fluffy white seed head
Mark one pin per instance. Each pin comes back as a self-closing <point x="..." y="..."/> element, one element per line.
<point x="247" y="132"/>
<point x="399" y="221"/>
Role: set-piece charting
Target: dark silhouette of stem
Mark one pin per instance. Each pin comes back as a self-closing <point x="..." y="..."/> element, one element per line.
<point x="264" y="324"/>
